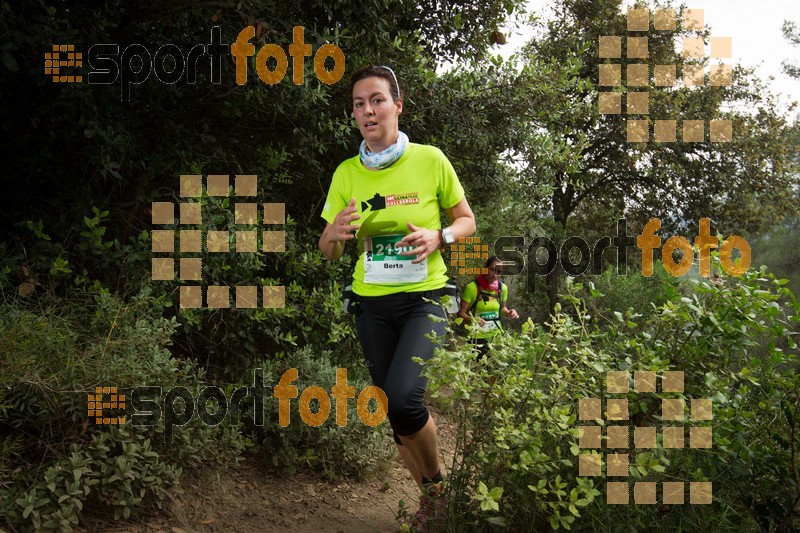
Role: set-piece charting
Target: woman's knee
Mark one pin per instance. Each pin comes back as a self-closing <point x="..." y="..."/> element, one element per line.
<point x="407" y="411"/>
<point x="409" y="421"/>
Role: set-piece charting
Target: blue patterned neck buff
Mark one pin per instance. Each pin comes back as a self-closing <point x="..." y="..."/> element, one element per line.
<point x="381" y="160"/>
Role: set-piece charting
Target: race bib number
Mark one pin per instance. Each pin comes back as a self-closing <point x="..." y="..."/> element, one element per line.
<point x="384" y="264"/>
<point x="490" y="321"/>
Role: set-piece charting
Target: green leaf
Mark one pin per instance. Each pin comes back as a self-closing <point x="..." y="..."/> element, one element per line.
<point x="489" y="505"/>
<point x="573" y="510"/>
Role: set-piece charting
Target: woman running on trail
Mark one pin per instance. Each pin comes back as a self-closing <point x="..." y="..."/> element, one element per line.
<point x="389" y="197"/>
<point x="484" y="301"/>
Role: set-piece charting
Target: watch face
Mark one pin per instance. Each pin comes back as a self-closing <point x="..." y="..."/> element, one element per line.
<point x="448" y="236"/>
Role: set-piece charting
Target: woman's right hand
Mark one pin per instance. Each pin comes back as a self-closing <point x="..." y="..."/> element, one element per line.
<point x="342" y="229"/>
<point x="335" y="234"/>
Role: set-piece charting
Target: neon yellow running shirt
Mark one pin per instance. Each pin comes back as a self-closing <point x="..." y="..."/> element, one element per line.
<point x="488" y="310"/>
<point x="413" y="189"/>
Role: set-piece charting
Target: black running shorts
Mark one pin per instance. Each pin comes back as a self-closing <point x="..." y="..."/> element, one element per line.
<point x="392" y="330"/>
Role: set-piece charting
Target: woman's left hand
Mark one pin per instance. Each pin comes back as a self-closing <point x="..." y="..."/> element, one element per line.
<point x="512" y="313"/>
<point x="425" y="242"/>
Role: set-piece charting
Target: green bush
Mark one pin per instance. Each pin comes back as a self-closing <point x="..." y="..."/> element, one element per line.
<point x="516" y="461"/>
<point x="352" y="450"/>
<point x="619" y="292"/>
<point x="55" y="461"/>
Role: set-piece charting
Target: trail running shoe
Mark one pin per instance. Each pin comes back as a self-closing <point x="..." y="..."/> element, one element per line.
<point x="431" y="506"/>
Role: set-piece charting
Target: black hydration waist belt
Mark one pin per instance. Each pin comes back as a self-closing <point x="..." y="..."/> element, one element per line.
<point x="431" y="295"/>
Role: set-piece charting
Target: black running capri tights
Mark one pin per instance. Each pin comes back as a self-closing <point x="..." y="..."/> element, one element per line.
<point x="392" y="331"/>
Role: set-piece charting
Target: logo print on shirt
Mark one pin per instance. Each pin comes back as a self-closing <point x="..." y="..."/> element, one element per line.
<point x="402" y="199"/>
<point x="379" y="202"/>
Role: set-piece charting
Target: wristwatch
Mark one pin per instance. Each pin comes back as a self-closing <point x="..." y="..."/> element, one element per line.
<point x="447" y="236"/>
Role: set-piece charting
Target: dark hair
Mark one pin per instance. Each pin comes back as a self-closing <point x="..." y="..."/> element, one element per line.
<point x="377" y="71"/>
<point x="491" y="260"/>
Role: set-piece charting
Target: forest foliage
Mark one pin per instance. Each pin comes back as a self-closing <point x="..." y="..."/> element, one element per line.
<point x="79" y="308"/>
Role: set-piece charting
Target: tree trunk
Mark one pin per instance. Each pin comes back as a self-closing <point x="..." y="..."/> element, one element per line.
<point x="562" y="208"/>
<point x="552" y="289"/>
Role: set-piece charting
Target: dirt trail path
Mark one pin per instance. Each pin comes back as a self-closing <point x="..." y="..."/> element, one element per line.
<point x="249" y="498"/>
